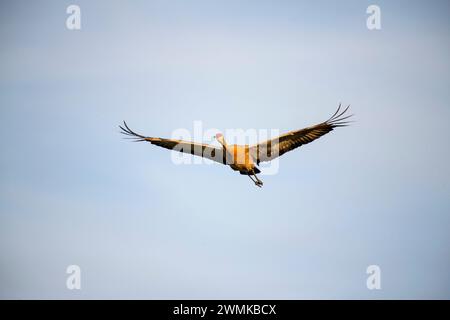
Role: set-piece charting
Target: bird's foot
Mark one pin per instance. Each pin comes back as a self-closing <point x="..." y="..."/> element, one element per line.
<point x="259" y="184"/>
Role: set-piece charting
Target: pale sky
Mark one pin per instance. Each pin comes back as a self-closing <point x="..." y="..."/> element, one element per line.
<point x="72" y="191"/>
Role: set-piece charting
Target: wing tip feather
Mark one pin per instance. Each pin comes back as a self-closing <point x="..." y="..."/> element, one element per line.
<point x="130" y="134"/>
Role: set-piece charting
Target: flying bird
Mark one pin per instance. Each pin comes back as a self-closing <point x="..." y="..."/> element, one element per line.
<point x="246" y="158"/>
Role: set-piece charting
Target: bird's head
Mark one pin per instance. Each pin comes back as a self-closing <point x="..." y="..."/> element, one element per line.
<point x="219" y="137"/>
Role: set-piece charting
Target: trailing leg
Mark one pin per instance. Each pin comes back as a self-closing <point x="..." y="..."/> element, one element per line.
<point x="258" y="182"/>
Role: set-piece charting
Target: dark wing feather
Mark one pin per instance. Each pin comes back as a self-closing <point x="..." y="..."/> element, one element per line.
<point x="197" y="149"/>
<point x="271" y="149"/>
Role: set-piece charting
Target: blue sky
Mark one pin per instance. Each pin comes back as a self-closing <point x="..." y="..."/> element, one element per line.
<point x="73" y="192"/>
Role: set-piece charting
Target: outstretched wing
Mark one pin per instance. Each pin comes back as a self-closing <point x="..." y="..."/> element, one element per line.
<point x="271" y="149"/>
<point x="197" y="149"/>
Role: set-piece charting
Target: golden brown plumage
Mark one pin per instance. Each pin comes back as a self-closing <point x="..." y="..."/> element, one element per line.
<point x="271" y="149"/>
<point x="244" y="158"/>
<point x="194" y="148"/>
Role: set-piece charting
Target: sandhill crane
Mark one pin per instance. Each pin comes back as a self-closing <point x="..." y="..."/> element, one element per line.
<point x="245" y="158"/>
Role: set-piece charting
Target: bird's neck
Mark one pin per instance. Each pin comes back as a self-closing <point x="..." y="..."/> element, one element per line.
<point x="224" y="144"/>
<point x="228" y="153"/>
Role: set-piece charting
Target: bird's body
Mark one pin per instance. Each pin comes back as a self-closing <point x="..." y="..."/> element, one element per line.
<point x="245" y="158"/>
<point x="242" y="159"/>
